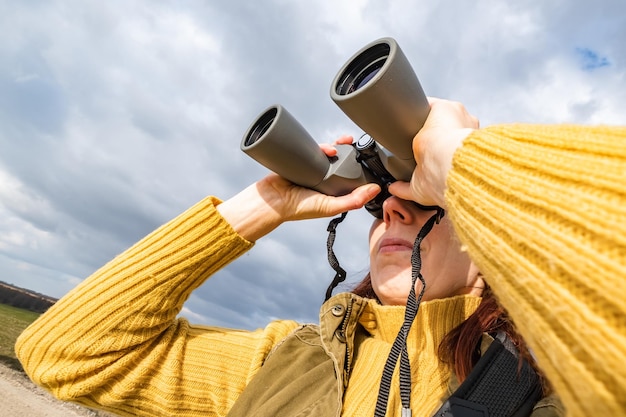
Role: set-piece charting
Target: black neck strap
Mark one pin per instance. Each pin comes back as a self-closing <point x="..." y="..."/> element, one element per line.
<point x="399" y="348"/>
<point x="340" y="273"/>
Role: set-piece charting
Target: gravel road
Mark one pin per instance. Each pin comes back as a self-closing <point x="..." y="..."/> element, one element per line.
<point x="19" y="397"/>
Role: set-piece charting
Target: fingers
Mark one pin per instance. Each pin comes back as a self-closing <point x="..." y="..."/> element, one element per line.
<point x="444" y="131"/>
<point x="353" y="201"/>
<point x="330" y="150"/>
<point x="361" y="195"/>
<point x="450" y="114"/>
<point x="344" y="140"/>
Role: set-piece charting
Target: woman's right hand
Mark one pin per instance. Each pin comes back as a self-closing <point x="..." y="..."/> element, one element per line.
<point x="264" y="205"/>
<point x="447" y="125"/>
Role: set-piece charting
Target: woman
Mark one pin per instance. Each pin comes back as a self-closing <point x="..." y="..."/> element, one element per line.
<point x="516" y="196"/>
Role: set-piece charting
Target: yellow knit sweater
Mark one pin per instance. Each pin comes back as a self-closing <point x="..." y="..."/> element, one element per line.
<point x="542" y="211"/>
<point x="114" y="342"/>
<point x="430" y="377"/>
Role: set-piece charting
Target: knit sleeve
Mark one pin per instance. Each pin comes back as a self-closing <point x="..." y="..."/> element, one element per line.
<point x="542" y="212"/>
<point x="114" y="342"/>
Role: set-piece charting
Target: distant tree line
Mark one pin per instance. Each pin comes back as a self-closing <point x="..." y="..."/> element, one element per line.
<point x="23" y="298"/>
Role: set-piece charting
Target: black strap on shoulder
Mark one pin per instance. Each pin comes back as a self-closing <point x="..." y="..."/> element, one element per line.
<point x="498" y="386"/>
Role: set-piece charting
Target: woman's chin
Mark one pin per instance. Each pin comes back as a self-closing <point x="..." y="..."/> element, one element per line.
<point x="393" y="291"/>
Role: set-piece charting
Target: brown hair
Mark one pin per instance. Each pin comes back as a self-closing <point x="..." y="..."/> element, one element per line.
<point x="365" y="289"/>
<point x="461" y="347"/>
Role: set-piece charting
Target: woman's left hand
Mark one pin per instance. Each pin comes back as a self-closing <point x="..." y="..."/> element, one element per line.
<point x="447" y="125"/>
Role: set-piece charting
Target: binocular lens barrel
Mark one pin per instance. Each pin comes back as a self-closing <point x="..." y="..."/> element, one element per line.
<point x="261" y="126"/>
<point x="277" y="141"/>
<point x="379" y="91"/>
<point x="362" y="69"/>
<point x="280" y="143"/>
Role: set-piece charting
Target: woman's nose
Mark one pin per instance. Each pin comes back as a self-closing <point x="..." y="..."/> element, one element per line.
<point x="395" y="209"/>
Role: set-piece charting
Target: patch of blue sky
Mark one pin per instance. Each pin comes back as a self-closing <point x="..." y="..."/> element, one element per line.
<point x="590" y="60"/>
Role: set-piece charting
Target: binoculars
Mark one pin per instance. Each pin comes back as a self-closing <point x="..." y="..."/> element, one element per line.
<point x="379" y="91"/>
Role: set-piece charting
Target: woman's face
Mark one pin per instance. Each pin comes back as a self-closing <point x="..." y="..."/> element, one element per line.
<point x="445" y="268"/>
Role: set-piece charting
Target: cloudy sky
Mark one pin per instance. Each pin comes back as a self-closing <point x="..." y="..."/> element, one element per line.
<point x="116" y="116"/>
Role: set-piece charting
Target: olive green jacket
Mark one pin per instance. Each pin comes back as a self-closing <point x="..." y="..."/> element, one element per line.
<point x="307" y="373"/>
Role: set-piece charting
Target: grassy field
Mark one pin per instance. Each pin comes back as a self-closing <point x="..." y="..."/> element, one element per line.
<point x="12" y="322"/>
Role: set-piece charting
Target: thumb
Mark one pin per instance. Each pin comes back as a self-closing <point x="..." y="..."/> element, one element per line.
<point x="359" y="196"/>
<point x="401" y="189"/>
<point x="353" y="201"/>
<point x="413" y="191"/>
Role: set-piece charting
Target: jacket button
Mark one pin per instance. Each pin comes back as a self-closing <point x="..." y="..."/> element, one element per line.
<point x="340" y="335"/>
<point x="337" y="310"/>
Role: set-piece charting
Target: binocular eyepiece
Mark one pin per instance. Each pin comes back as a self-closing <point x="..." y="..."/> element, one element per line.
<point x="378" y="90"/>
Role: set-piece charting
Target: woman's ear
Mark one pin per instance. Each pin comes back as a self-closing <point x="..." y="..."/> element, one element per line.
<point x="475" y="280"/>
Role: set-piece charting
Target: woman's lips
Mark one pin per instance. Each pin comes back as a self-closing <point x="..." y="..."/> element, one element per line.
<point x="394" y="245"/>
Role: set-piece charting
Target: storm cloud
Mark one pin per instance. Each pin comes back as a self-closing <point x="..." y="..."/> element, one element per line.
<point x="117" y="116"/>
